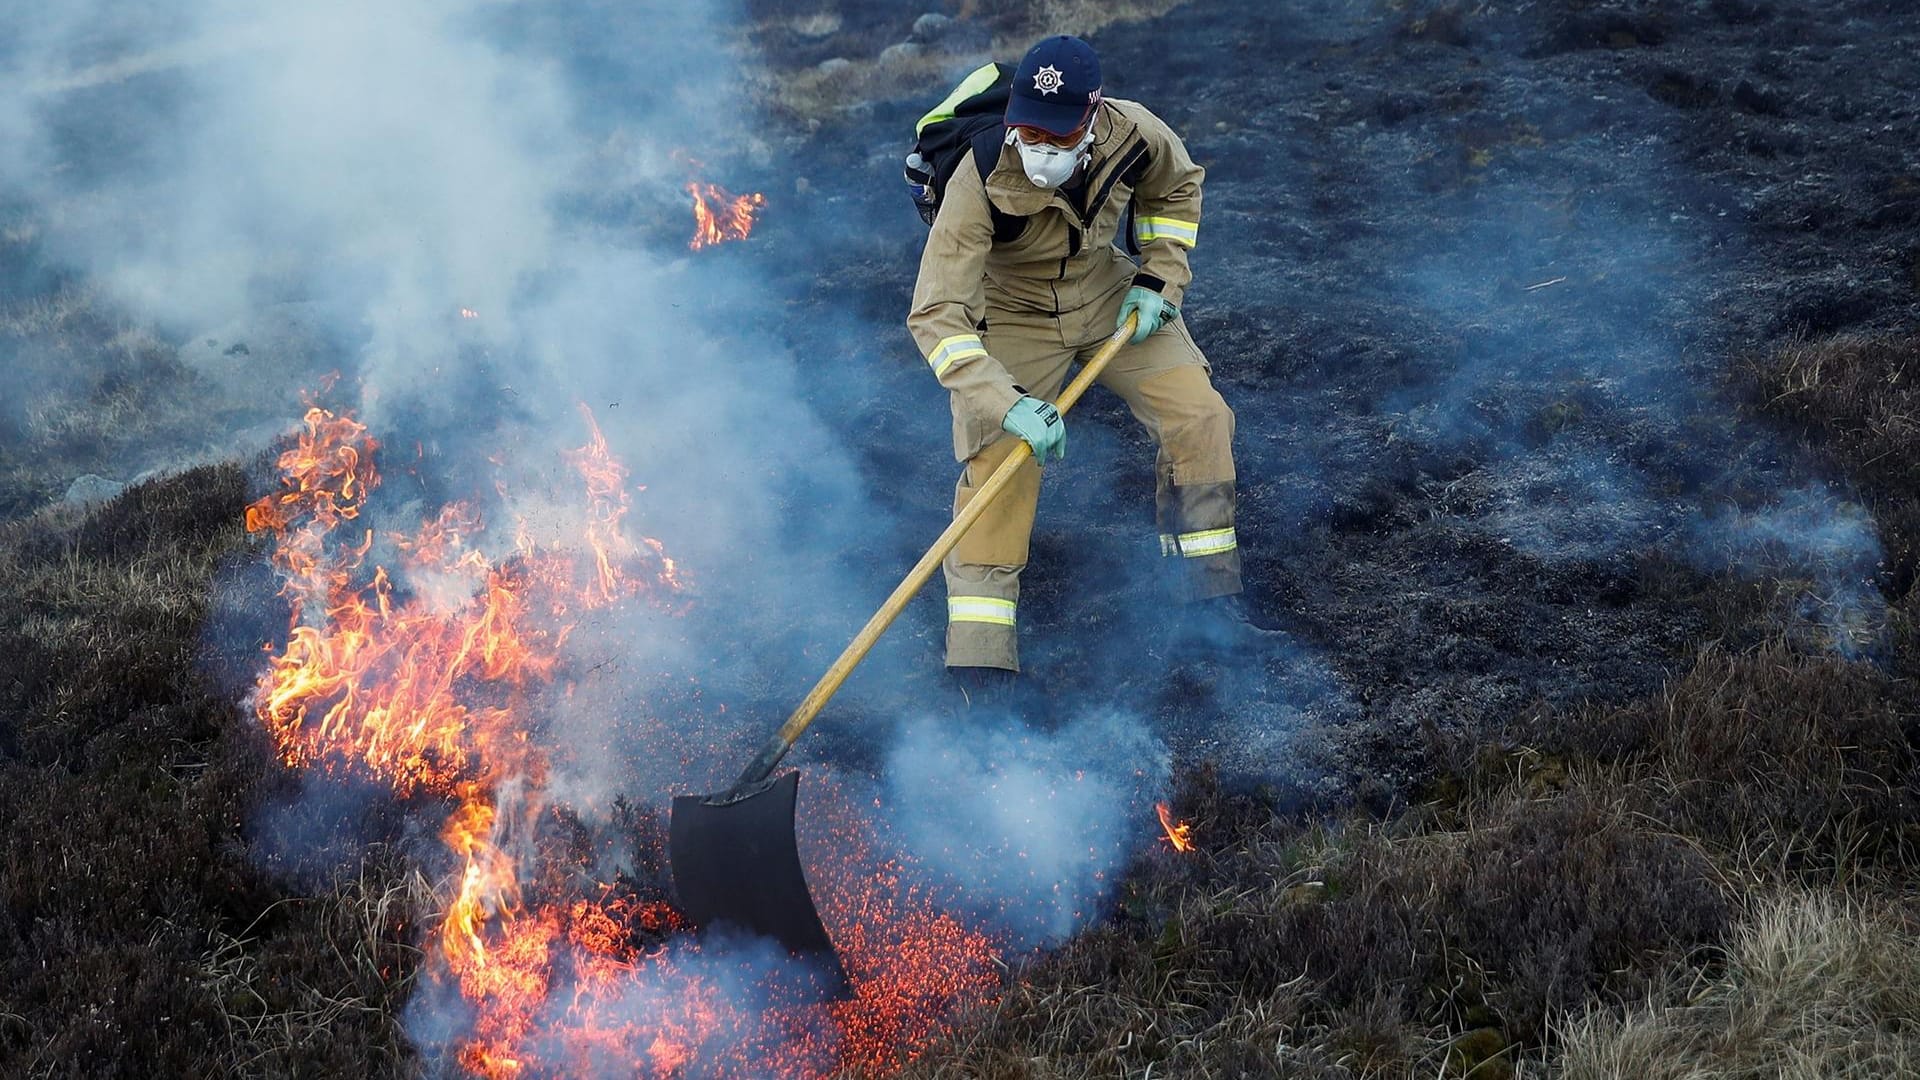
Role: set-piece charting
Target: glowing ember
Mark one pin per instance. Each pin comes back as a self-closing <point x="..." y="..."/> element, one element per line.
<point x="1179" y="835"/>
<point x="719" y="214"/>
<point x="432" y="666"/>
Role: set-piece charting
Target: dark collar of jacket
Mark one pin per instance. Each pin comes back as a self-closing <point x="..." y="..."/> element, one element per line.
<point x="1010" y="190"/>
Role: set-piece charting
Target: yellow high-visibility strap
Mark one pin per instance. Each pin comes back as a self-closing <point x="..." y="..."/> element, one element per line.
<point x="957" y="347"/>
<point x="1184" y="233"/>
<point x="982" y="609"/>
<point x="1195" y="545"/>
<point x="973" y="84"/>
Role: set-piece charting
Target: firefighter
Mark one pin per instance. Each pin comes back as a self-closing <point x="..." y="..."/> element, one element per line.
<point x="1021" y="277"/>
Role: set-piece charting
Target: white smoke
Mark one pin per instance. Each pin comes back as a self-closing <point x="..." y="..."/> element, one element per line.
<point x="476" y="208"/>
<point x="1035" y="826"/>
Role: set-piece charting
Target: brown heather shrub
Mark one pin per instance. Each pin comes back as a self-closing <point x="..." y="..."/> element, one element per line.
<point x="1583" y="893"/>
<point x="1798" y="764"/>
<point x="1858" y="398"/>
<point x="138" y="937"/>
<point x="100" y="630"/>
<point x="1363" y="950"/>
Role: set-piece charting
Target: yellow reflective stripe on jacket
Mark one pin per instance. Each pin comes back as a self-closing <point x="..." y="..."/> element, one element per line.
<point x="957" y="347"/>
<point x="1185" y="233"/>
<point x="986" y="609"/>
<point x="1194" y="545"/>
<point x="973" y="84"/>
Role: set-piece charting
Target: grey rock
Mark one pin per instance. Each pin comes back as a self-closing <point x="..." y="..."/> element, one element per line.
<point x="833" y="66"/>
<point x="91" y="489"/>
<point x="930" y="27"/>
<point x="901" y="53"/>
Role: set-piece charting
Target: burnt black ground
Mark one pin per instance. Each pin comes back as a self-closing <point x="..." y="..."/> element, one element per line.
<point x="1463" y="495"/>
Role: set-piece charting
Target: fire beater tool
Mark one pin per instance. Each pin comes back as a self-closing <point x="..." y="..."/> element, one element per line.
<point x="735" y="856"/>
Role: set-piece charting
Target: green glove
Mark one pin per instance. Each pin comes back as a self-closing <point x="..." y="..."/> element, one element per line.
<point x="1041" y="425"/>
<point x="1154" y="311"/>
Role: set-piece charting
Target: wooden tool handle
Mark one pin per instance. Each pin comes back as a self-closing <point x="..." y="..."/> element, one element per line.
<point x="776" y="747"/>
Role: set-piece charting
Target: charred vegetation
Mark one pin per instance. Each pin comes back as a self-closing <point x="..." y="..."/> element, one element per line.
<point x="1574" y="352"/>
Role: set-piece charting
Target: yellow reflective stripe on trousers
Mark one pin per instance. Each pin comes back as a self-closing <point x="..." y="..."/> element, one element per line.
<point x="957" y="347"/>
<point x="986" y="609"/>
<point x="1185" y="233"/>
<point x="976" y="82"/>
<point x="1211" y="542"/>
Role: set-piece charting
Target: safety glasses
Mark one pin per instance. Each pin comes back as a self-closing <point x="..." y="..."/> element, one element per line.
<point x="1034" y="136"/>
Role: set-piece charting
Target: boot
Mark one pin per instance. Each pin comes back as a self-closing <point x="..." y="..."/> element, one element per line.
<point x="1226" y="626"/>
<point x="985" y="687"/>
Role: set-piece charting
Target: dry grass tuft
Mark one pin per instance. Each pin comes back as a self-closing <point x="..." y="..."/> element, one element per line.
<point x="279" y="1021"/>
<point x="1812" y="985"/>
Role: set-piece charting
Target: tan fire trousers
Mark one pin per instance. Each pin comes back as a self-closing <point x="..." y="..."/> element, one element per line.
<point x="1165" y="381"/>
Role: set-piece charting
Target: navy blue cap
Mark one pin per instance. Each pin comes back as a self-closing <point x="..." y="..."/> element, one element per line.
<point x="1056" y="86"/>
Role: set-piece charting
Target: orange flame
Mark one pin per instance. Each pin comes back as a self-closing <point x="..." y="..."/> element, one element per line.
<point x="1180" y="835"/>
<point x="428" y="670"/>
<point x="719" y="215"/>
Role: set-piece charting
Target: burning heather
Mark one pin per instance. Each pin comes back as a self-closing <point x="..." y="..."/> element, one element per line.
<point x="720" y="215"/>
<point x="1178" y="833"/>
<point x="433" y="675"/>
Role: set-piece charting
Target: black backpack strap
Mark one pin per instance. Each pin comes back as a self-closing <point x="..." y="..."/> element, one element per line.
<point x="1131" y="168"/>
<point x="986" y="157"/>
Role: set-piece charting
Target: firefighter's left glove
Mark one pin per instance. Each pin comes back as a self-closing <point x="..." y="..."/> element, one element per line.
<point x="1155" y="312"/>
<point x="1041" y="425"/>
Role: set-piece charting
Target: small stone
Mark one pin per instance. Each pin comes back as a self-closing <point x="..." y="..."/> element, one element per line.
<point x="931" y="27"/>
<point x="833" y="66"/>
<point x="901" y="53"/>
<point x="90" y="489"/>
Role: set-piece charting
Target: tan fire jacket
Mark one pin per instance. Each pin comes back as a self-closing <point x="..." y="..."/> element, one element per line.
<point x="1064" y="260"/>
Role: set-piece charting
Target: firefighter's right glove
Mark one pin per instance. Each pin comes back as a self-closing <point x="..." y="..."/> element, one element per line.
<point x="1155" y="312"/>
<point x="1041" y="425"/>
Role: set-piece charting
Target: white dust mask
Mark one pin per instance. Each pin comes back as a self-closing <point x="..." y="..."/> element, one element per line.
<point x="1050" y="166"/>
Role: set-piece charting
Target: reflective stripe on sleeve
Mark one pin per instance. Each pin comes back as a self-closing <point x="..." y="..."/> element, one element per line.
<point x="957" y="347"/>
<point x="1184" y="233"/>
<point x="986" y="609"/>
<point x="1196" y="545"/>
